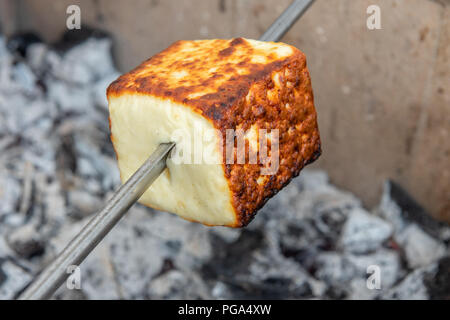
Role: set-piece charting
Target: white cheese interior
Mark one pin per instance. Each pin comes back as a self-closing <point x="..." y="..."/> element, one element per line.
<point x="197" y="192"/>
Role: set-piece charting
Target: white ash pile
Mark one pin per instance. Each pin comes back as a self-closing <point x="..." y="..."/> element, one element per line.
<point x="57" y="167"/>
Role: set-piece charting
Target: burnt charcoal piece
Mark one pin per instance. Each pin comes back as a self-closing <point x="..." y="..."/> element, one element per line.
<point x="67" y="158"/>
<point x="301" y="242"/>
<point x="26" y="241"/>
<point x="29" y="249"/>
<point x="234" y="265"/>
<point x="20" y="42"/>
<point x="438" y="283"/>
<point x="232" y="259"/>
<point x="72" y="38"/>
<point x="3" y="275"/>
<point x="270" y="288"/>
<point x="414" y="212"/>
<point x="336" y="293"/>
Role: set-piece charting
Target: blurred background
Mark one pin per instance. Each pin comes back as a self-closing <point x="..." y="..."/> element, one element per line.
<point x="379" y="194"/>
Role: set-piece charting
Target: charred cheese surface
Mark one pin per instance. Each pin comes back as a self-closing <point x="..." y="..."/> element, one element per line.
<point x="208" y="85"/>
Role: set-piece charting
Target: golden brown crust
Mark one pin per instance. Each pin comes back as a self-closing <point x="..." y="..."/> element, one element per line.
<point x="299" y="142"/>
<point x="218" y="79"/>
<point x="209" y="75"/>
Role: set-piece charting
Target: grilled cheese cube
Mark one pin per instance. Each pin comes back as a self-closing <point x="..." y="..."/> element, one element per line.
<point x="212" y="86"/>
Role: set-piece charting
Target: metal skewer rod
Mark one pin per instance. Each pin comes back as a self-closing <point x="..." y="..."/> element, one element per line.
<point x="51" y="278"/>
<point x="286" y="20"/>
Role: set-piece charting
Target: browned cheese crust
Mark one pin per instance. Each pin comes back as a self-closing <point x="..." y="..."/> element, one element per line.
<point x="230" y="90"/>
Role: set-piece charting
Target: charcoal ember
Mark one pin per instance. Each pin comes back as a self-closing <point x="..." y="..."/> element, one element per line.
<point x="73" y="38"/>
<point x="363" y="233"/>
<point x="412" y="287"/>
<point x="280" y="286"/>
<point x="438" y="281"/>
<point x="329" y="221"/>
<point x="274" y="277"/>
<point x="323" y="198"/>
<point x="337" y="292"/>
<point x="53" y="200"/>
<point x="178" y="285"/>
<point x="64" y="294"/>
<point x="388" y="262"/>
<point x="7" y="142"/>
<point x="252" y="268"/>
<point x="44" y="62"/>
<point x="36" y="57"/>
<point x="26" y="241"/>
<point x="186" y="243"/>
<point x="303" y="198"/>
<point x="66" y="157"/>
<point x="389" y="209"/>
<point x="13" y="278"/>
<point x="307" y="217"/>
<point x="271" y="288"/>
<point x="334" y="269"/>
<point x="301" y="242"/>
<point x="86" y="63"/>
<point x="232" y="259"/>
<point x="19" y="43"/>
<point x="303" y="237"/>
<point x="420" y="248"/>
<point x="398" y="207"/>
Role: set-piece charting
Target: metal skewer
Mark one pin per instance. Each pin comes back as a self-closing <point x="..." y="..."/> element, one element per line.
<point x="286" y="20"/>
<point x="51" y="278"/>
